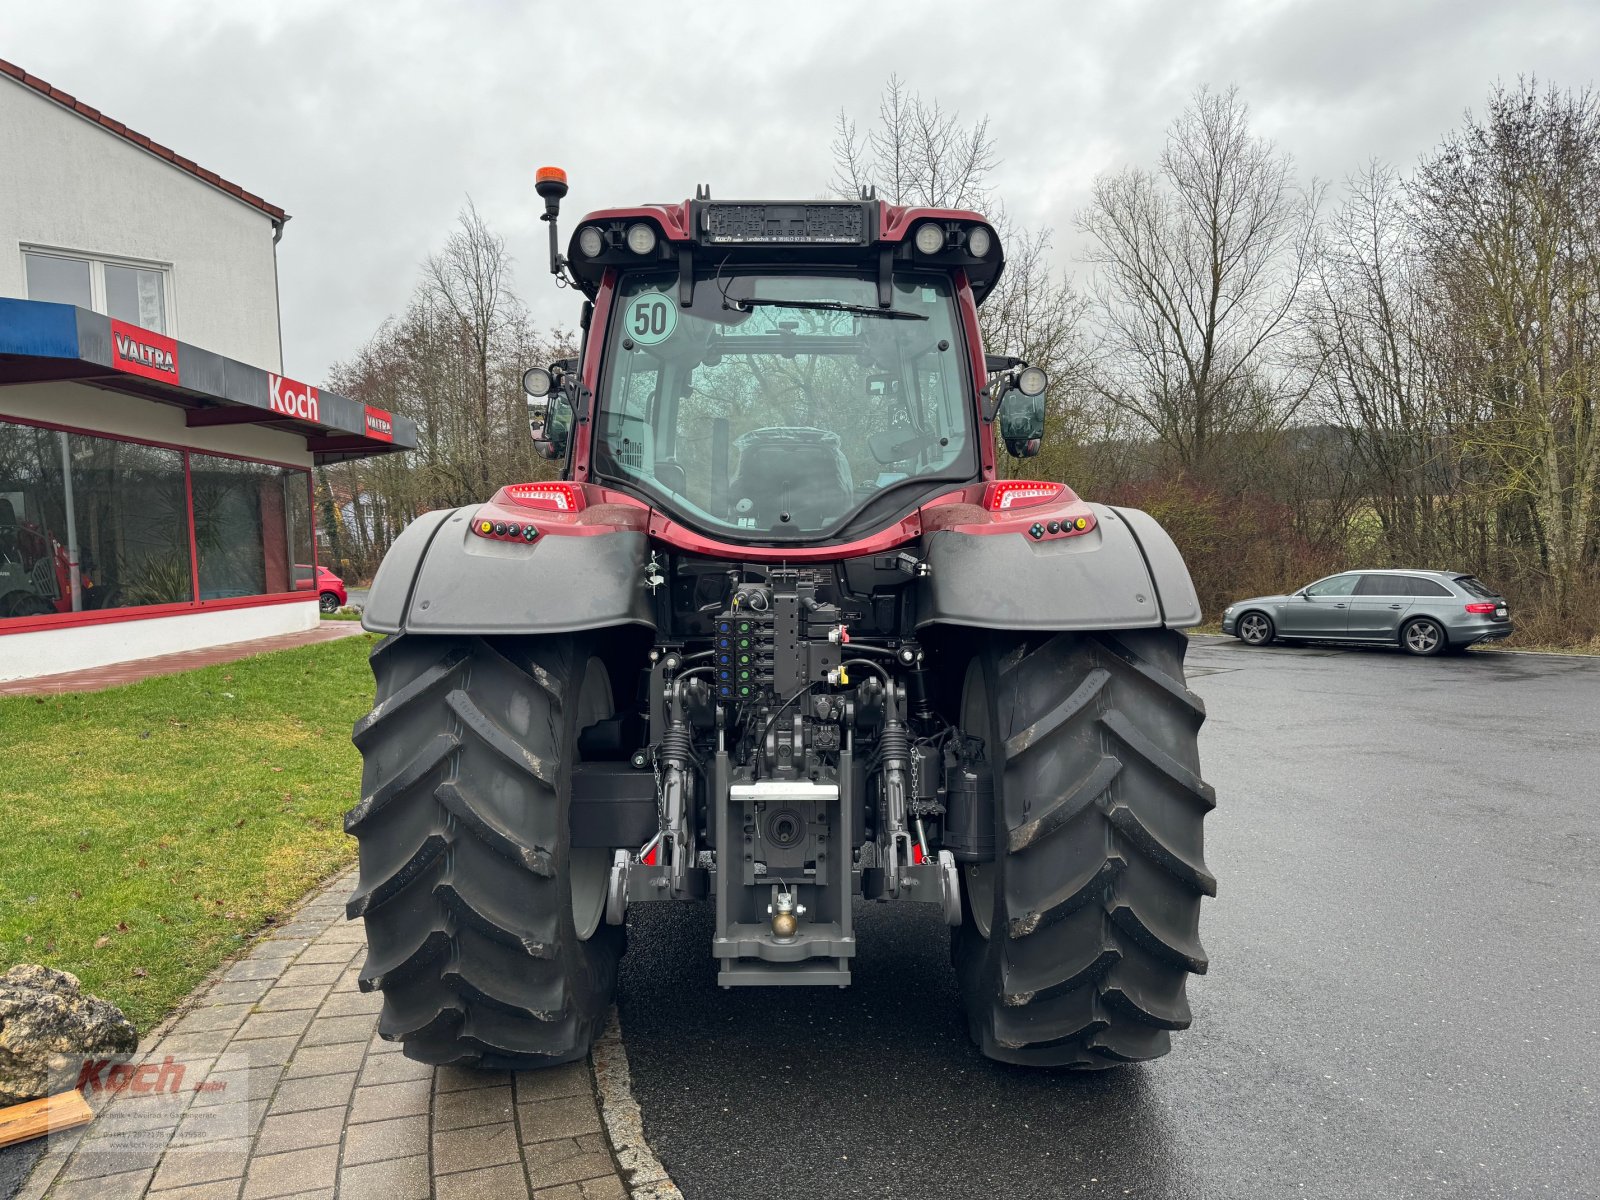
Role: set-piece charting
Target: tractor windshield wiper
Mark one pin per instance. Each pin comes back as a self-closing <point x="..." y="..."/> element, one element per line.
<point x="860" y="310"/>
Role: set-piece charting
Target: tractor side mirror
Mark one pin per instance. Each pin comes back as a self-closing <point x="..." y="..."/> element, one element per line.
<point x="1022" y="413"/>
<point x="549" y="412"/>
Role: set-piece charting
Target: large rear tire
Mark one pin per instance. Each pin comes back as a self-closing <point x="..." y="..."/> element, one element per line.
<point x="484" y="928"/>
<point x="1078" y="941"/>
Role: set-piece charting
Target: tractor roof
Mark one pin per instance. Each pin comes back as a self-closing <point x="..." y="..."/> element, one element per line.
<point x="787" y="233"/>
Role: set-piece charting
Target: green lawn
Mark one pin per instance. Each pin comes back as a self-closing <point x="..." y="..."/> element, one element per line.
<point x="148" y="831"/>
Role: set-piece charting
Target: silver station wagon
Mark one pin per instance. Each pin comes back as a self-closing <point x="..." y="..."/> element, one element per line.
<point x="1423" y="612"/>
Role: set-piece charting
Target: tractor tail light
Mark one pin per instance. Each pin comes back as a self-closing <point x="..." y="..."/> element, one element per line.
<point x="1481" y="607"/>
<point x="1007" y="494"/>
<point x="553" y="497"/>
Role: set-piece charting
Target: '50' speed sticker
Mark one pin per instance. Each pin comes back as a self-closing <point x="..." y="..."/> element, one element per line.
<point x="650" y="318"/>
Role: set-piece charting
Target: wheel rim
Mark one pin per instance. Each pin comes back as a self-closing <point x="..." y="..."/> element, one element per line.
<point x="330" y="602"/>
<point x="980" y="877"/>
<point x="1253" y="628"/>
<point x="588" y="869"/>
<point x="1423" y="637"/>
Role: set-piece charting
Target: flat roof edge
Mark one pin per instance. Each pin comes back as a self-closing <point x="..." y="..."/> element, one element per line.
<point x="40" y="341"/>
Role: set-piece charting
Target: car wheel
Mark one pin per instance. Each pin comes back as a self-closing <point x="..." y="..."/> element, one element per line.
<point x="1255" y="629"/>
<point x="328" y="602"/>
<point x="1424" y="637"/>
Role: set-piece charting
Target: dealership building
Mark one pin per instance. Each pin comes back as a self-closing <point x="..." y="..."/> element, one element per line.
<point x="155" y="461"/>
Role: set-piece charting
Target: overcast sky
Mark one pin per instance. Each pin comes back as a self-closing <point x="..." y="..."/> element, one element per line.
<point x="371" y="122"/>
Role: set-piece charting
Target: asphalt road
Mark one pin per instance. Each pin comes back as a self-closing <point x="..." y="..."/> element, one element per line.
<point x="1404" y="994"/>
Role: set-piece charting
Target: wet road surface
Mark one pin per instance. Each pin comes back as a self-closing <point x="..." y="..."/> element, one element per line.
<point x="1403" y="1001"/>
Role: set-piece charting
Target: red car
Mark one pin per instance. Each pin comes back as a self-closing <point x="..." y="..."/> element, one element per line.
<point x="331" y="595"/>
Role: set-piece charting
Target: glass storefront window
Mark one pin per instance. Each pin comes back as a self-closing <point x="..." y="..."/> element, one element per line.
<point x="35" y="571"/>
<point x="89" y="523"/>
<point x="132" y="523"/>
<point x="251" y="525"/>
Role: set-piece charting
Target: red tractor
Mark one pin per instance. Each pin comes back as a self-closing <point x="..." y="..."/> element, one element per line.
<point x="781" y="639"/>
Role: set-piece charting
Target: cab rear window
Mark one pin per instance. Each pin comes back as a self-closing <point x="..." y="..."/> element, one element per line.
<point x="1476" y="587"/>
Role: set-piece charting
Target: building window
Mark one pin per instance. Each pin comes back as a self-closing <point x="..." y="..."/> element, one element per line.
<point x="59" y="280"/>
<point x="35" y="576"/>
<point x="137" y="295"/>
<point x="132" y="523"/>
<point x="128" y="291"/>
<point x="252" y="524"/>
<point x="92" y="523"/>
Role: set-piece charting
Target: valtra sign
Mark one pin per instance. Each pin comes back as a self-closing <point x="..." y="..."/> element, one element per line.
<point x="380" y="424"/>
<point x="290" y="398"/>
<point x="140" y="352"/>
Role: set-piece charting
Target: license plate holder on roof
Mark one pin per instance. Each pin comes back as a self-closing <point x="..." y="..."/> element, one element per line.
<point x="784" y="224"/>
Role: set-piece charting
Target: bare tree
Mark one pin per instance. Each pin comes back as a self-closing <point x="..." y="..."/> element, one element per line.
<point x="1507" y="217"/>
<point x="452" y="361"/>
<point x="917" y="153"/>
<point x="468" y="281"/>
<point x="1375" y="330"/>
<point x="1199" y="268"/>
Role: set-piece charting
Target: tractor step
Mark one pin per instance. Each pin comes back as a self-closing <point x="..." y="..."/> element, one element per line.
<point x="744" y="972"/>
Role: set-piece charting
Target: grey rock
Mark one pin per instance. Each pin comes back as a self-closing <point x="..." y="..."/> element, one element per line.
<point x="49" y="1028"/>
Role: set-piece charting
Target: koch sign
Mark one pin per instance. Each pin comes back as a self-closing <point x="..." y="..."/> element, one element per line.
<point x="140" y="352"/>
<point x="380" y="424"/>
<point x="298" y="400"/>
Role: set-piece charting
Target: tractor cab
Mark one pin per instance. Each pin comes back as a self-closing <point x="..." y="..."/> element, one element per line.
<point x="781" y="373"/>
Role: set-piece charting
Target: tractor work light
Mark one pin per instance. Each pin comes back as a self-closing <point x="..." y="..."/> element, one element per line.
<point x="929" y="238"/>
<point x="1032" y="381"/>
<point x="641" y="238"/>
<point x="979" y="241"/>
<point x="590" y="242"/>
<point x="537" y="381"/>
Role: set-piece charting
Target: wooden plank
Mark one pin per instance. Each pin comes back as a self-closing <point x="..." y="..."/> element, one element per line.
<point x="35" y="1118"/>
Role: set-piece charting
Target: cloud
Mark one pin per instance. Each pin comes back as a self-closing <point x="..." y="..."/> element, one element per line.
<point x="372" y="123"/>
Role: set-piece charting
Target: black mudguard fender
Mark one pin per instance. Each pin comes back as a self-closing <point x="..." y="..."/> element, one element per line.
<point x="440" y="578"/>
<point x="1125" y="573"/>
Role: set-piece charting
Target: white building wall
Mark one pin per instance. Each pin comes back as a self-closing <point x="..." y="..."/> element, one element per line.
<point x="99" y="411"/>
<point x="67" y="183"/>
<point x="80" y="647"/>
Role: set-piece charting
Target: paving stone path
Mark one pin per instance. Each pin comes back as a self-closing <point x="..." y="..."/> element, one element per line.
<point x="285" y="1089"/>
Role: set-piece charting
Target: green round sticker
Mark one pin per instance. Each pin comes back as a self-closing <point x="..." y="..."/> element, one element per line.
<point x="651" y="318"/>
